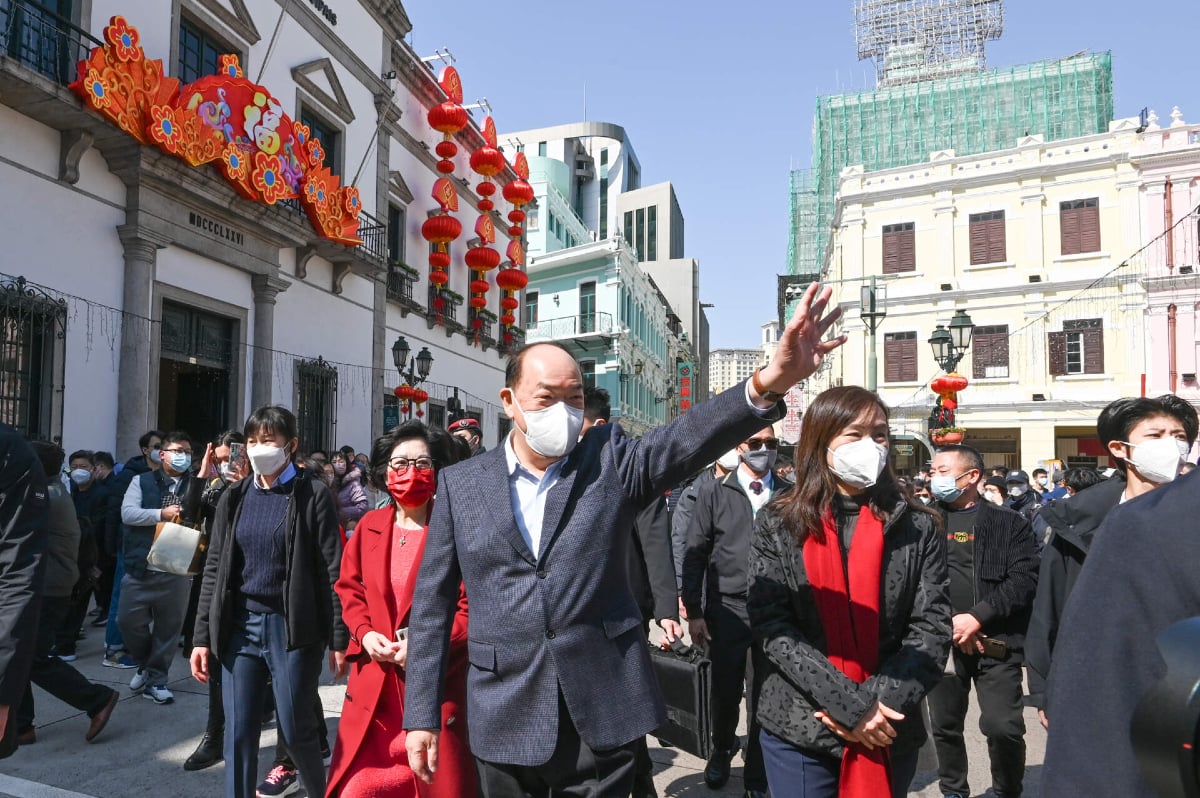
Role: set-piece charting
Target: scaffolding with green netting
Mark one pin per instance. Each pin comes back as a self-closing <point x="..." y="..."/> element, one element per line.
<point x="901" y="125"/>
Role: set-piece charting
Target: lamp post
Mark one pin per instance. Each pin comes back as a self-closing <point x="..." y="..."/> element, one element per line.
<point x="412" y="371"/>
<point x="949" y="347"/>
<point x="872" y="310"/>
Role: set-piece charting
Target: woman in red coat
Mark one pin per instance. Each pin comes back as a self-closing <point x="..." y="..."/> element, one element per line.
<point x="379" y="572"/>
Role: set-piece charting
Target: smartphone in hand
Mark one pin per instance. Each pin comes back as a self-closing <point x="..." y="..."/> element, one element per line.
<point x="402" y="635"/>
<point x="237" y="458"/>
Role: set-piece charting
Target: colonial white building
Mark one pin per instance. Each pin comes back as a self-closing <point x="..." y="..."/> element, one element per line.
<point x="153" y="295"/>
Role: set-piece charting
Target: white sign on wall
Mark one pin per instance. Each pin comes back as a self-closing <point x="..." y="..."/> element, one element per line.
<point x="794" y="399"/>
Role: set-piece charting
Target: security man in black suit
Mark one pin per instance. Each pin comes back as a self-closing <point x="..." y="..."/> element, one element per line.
<point x="715" y="583"/>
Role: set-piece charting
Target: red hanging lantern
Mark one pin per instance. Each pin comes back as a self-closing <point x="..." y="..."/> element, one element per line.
<point x="440" y="229"/>
<point x="488" y="161"/>
<point x="448" y="118"/>
<point x="510" y="280"/>
<point x="419" y="398"/>
<point x="404" y="393"/>
<point x="518" y="193"/>
<point x="481" y="259"/>
<point x="947" y="387"/>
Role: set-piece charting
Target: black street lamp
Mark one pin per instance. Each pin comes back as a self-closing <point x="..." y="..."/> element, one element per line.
<point x="950" y="346"/>
<point x="413" y="371"/>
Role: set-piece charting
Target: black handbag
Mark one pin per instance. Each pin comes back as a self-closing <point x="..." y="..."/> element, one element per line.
<point x="685" y="677"/>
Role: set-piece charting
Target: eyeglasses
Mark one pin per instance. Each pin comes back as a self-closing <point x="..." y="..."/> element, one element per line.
<point x="177" y="451"/>
<point x="754" y="444"/>
<point x="402" y="464"/>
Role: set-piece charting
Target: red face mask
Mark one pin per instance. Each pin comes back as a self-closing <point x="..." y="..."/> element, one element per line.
<point x="411" y="487"/>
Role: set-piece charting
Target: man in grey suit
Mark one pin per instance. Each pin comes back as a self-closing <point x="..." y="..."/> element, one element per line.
<point x="560" y="684"/>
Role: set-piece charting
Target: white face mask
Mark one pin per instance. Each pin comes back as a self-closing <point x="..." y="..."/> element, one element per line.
<point x="81" y="476"/>
<point x="1158" y="459"/>
<point x="266" y="458"/>
<point x="729" y="460"/>
<point x="1017" y="491"/>
<point x="554" y="431"/>
<point x="859" y="464"/>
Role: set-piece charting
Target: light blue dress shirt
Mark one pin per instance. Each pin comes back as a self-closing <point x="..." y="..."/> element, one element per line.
<point x="528" y="494"/>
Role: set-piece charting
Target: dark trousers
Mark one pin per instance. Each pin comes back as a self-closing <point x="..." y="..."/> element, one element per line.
<point x="573" y="771"/>
<point x="53" y="675"/>
<point x="795" y="774"/>
<point x="258" y="652"/>
<point x="104" y="585"/>
<point x="998" y="688"/>
<point x="68" y="631"/>
<point x="735" y="663"/>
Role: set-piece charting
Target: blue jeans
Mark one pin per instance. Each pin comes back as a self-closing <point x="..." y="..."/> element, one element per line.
<point x="791" y="773"/>
<point x="257" y="649"/>
<point x="112" y="633"/>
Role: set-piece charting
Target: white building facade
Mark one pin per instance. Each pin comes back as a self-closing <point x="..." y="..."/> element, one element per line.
<point x="153" y="296"/>
<point x="728" y="367"/>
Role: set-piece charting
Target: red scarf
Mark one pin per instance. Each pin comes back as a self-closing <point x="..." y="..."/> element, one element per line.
<point x="850" y="618"/>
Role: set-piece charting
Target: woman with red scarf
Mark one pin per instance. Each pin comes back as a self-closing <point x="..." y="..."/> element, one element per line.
<point x="848" y="599"/>
<point x="379" y="572"/>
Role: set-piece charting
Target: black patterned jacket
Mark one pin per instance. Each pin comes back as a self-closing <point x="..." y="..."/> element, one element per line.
<point x="914" y="634"/>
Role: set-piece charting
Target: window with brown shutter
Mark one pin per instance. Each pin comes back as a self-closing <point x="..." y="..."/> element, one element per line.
<point x="899" y="248"/>
<point x="989" y="352"/>
<point x="987" y="238"/>
<point x="1079" y="225"/>
<point x="900" y="357"/>
<point x="1078" y="349"/>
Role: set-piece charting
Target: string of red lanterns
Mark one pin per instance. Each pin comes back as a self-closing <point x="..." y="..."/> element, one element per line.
<point x="440" y="229"/>
<point x="512" y="278"/>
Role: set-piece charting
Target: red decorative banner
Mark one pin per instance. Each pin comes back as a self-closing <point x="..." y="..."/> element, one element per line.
<point x="223" y="119"/>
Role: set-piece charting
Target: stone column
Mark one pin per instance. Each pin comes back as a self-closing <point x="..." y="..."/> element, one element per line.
<point x="135" y="414"/>
<point x="266" y="288"/>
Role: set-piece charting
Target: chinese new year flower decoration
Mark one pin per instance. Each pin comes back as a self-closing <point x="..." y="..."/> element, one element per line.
<point x="223" y="119"/>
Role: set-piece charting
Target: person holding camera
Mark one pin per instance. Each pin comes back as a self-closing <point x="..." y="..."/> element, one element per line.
<point x="993" y="563"/>
<point x="379" y="574"/>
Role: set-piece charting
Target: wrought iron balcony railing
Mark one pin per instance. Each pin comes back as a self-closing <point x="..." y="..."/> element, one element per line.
<point x="570" y="327"/>
<point x="35" y="36"/>
<point x="374" y="237"/>
<point x="447" y="315"/>
<point x="486" y="324"/>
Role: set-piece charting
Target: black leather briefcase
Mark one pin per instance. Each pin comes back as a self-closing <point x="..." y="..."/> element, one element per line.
<point x="685" y="676"/>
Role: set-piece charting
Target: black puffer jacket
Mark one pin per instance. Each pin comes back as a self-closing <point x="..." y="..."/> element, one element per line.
<point x="914" y="634"/>
<point x="1070" y="523"/>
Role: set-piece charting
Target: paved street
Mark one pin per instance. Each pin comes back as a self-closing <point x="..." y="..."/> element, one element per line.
<point x="142" y="750"/>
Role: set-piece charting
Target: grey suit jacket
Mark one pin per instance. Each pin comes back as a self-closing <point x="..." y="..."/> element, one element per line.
<point x="566" y="620"/>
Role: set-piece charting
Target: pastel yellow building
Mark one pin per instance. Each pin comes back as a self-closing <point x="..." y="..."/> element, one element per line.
<point x="1028" y="241"/>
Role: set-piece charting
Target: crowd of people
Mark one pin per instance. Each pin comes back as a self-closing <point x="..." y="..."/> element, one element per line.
<point x="491" y="608"/>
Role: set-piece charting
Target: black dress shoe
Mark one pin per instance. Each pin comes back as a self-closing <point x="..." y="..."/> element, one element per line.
<point x="716" y="772"/>
<point x="756" y="794"/>
<point x="209" y="752"/>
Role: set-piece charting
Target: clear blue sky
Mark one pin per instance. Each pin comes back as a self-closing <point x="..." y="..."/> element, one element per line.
<point x="718" y="97"/>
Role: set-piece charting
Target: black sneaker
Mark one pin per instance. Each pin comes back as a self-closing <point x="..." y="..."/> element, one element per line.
<point x="281" y="780"/>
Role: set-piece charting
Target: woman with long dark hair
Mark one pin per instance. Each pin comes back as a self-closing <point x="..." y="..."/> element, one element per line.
<point x="379" y="573"/>
<point x="848" y="599"/>
<point x="267" y="604"/>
